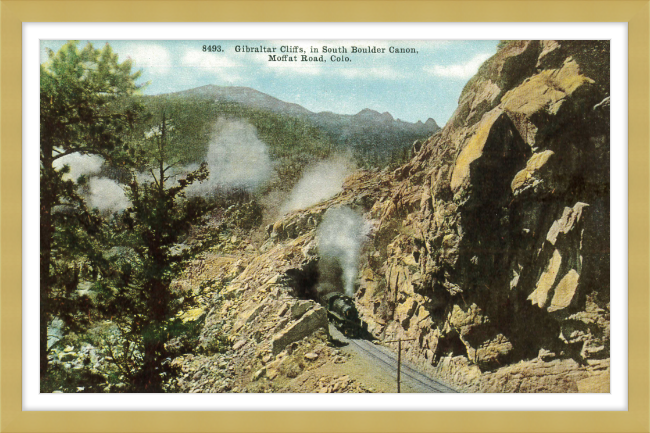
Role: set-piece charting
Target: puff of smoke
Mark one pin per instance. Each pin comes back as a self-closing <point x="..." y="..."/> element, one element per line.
<point x="340" y="236"/>
<point x="106" y="195"/>
<point x="237" y="159"/>
<point x="318" y="183"/>
<point x="102" y="193"/>
<point x="79" y="165"/>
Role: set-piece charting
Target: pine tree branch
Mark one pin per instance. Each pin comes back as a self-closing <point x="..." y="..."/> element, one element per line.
<point x="91" y="150"/>
<point x="76" y="120"/>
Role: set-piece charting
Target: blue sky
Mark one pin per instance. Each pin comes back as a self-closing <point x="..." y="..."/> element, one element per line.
<point x="409" y="86"/>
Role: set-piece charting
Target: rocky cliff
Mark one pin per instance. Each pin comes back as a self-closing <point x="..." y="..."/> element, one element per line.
<point x="489" y="249"/>
<point x="494" y="244"/>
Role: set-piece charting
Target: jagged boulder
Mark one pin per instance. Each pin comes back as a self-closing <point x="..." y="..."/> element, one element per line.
<point x="495" y="145"/>
<point x="309" y="323"/>
<point x="533" y="174"/>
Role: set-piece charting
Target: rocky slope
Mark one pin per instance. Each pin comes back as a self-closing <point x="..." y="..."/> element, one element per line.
<point x="490" y="248"/>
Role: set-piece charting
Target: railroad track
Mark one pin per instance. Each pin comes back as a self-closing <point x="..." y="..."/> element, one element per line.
<point x="387" y="360"/>
<point x="407" y="372"/>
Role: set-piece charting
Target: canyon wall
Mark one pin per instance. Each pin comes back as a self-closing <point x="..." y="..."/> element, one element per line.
<point x="493" y="247"/>
<point x="489" y="250"/>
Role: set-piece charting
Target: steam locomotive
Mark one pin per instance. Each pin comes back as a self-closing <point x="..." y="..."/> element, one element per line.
<point x="343" y="313"/>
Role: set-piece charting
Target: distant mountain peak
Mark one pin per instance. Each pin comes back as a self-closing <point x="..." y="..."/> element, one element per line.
<point x="248" y="97"/>
<point x="252" y="98"/>
<point x="369" y="114"/>
<point x="430" y="123"/>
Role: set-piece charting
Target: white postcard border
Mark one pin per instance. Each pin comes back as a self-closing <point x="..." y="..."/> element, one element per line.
<point x="617" y="33"/>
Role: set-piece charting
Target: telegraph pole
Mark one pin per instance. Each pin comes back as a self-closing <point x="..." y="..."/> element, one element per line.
<point x="399" y="359"/>
<point x="399" y="363"/>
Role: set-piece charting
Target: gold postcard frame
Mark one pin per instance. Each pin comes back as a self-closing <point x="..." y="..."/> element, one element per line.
<point x="14" y="13"/>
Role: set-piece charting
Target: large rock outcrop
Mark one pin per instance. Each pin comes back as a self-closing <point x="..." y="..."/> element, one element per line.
<point x="495" y="241"/>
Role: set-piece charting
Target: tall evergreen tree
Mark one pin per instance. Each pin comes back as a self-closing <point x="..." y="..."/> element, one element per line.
<point x="143" y="303"/>
<point x="81" y="111"/>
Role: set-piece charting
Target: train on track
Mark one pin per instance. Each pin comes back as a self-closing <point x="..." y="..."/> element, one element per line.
<point x="342" y="312"/>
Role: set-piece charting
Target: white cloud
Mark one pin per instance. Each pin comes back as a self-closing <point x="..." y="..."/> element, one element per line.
<point x="154" y="57"/>
<point x="196" y="58"/>
<point x="386" y="72"/>
<point x="224" y="67"/>
<point x="463" y="70"/>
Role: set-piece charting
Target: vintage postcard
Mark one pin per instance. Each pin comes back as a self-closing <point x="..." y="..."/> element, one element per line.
<point x="325" y="216"/>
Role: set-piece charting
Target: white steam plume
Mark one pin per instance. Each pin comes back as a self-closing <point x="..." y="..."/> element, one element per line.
<point x="236" y="159"/>
<point x="318" y="183"/>
<point x="101" y="193"/>
<point x="340" y="236"/>
<point x="79" y="164"/>
<point x="106" y="195"/>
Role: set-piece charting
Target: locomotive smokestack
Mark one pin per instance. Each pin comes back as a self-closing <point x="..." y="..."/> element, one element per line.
<point x="339" y="242"/>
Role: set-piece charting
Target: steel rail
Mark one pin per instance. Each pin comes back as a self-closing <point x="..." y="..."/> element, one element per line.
<point x="411" y="374"/>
